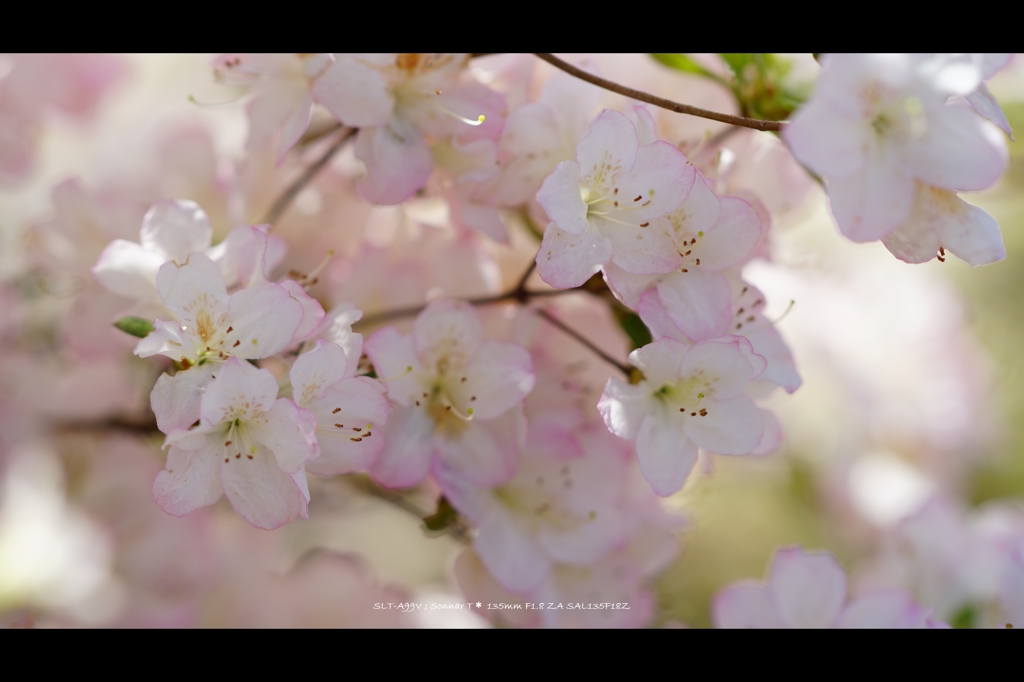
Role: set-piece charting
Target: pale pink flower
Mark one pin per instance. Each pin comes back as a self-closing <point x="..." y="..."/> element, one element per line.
<point x="249" y="445"/>
<point x="690" y="320"/>
<point x="691" y="397"/>
<point x="348" y="409"/>
<point x="401" y="103"/>
<point x="983" y="100"/>
<point x="560" y="507"/>
<point x="283" y="97"/>
<point x="878" y="125"/>
<point x="808" y="590"/>
<point x="608" y="205"/>
<point x="713" y="236"/>
<point x="457" y="397"/>
<point x="211" y="327"/>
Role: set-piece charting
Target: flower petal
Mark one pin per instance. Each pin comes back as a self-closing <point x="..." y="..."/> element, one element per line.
<point x="260" y="492"/>
<point x="265" y="318"/>
<point x="290" y="433"/>
<point x="730" y="427"/>
<point x="560" y="197"/>
<point x="511" y="554"/>
<point x="191" y="480"/>
<point x="176" y="400"/>
<point x="126" y="269"/>
<point x="698" y="302"/>
<point x="744" y="605"/>
<point x="405" y="459"/>
<point x="239" y="391"/>
<point x="397" y="160"/>
<point x="808" y="589"/>
<point x="175" y="229"/>
<point x="353" y="402"/>
<point x="568" y="260"/>
<point x="665" y="454"/>
<point x="498" y="378"/>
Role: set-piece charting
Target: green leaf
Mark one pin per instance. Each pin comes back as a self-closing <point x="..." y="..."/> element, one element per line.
<point x="681" y="62"/>
<point x="965" y="619"/>
<point x="635" y="329"/>
<point x="443" y="517"/>
<point x="136" y="326"/>
<point x="737" y="61"/>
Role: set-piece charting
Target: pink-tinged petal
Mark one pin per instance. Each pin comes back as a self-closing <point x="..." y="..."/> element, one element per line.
<point x="608" y="149"/>
<point x="315" y="371"/>
<point x="510" y="552"/>
<point x="584" y="543"/>
<point x="260" y="492"/>
<point x="239" y="391"/>
<point x="247" y="254"/>
<point x="175" y="229"/>
<point x="660" y="361"/>
<point x="165" y="339"/>
<point x="471" y="500"/>
<point x="735" y="236"/>
<point x="726" y="364"/>
<point x="498" y="378"/>
<point x="295" y="125"/>
<point x="873" y="202"/>
<point x="405" y="459"/>
<point x="191" y="480"/>
<point x="781" y="368"/>
<point x="397" y="160"/>
<point x="568" y="260"/>
<point x="941" y="219"/>
<point x="336" y="328"/>
<point x="393" y="356"/>
<point x="661" y="178"/>
<point x="646" y="130"/>
<point x="1011" y="588"/>
<point x="447" y="331"/>
<point x="698" y="302"/>
<point x="126" y="269"/>
<point x="827" y="141"/>
<point x="289" y="432"/>
<point x="355" y="89"/>
<point x="642" y="250"/>
<point x="560" y="197"/>
<point x="771" y="434"/>
<point x="312" y="311"/>
<point x="265" y="318"/>
<point x="195" y="291"/>
<point x="730" y="427"/>
<point x="971" y="234"/>
<point x="665" y="454"/>
<point x="353" y="402"/>
<point x="699" y="213"/>
<point x="744" y="605"/>
<point x="987" y="105"/>
<point x="627" y="286"/>
<point x="958" y="150"/>
<point x="623" y="407"/>
<point x="808" y="589"/>
<point x="176" y="400"/>
<point x="654" y="315"/>
<point x="470" y="101"/>
<point x="271" y="109"/>
<point x="886" y="609"/>
<point x="477" y="450"/>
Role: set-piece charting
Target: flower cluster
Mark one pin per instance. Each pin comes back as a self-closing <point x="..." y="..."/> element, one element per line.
<point x="554" y="283"/>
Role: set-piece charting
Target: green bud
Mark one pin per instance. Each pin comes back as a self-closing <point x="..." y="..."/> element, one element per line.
<point x="136" y="326"/>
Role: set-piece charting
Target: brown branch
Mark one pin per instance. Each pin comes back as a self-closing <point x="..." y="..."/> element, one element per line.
<point x="286" y="198"/>
<point x="743" y="121"/>
<point x="625" y="369"/>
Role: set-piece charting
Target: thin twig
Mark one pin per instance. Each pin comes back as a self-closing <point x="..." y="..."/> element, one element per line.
<point x="743" y="121"/>
<point x="625" y="369"/>
<point x="285" y="200"/>
<point x="456" y="530"/>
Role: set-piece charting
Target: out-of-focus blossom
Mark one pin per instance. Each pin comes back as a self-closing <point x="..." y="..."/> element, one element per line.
<point x="879" y="127"/>
<point x="808" y="590"/>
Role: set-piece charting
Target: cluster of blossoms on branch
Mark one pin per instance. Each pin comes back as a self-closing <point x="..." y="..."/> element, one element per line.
<point x="499" y="397"/>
